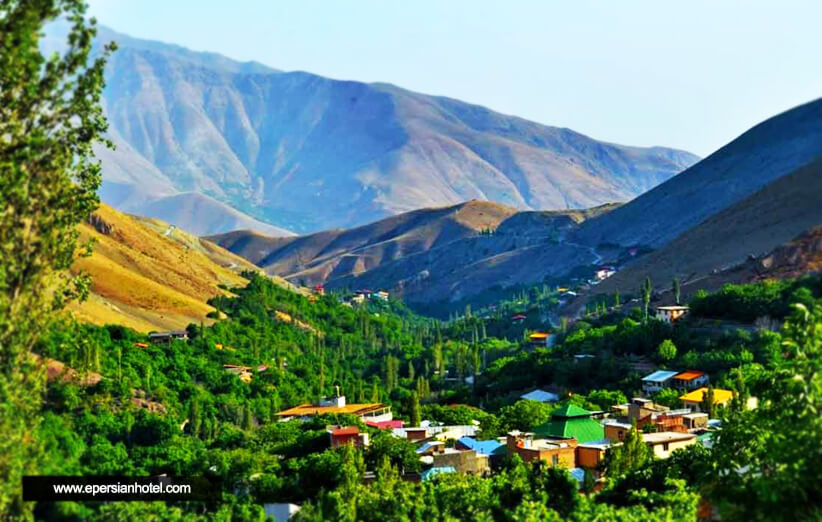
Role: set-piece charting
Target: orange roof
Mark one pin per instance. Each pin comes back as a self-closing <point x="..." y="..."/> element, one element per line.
<point x="720" y="396"/>
<point x="311" y="409"/>
<point x="347" y="430"/>
<point x="539" y="335"/>
<point x="689" y="375"/>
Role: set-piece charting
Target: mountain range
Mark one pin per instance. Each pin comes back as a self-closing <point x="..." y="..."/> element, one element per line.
<point x="242" y="145"/>
<point x="758" y="192"/>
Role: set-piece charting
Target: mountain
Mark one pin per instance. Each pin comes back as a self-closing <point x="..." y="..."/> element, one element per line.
<point x="149" y="276"/>
<point x="761" y="155"/>
<point x="435" y="254"/>
<point x="754" y="194"/>
<point x="310" y="153"/>
<point x="738" y="237"/>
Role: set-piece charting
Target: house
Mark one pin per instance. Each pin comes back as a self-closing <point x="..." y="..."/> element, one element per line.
<point x="571" y="422"/>
<point x="605" y="272"/>
<point x="540" y="396"/>
<point x="385" y="425"/>
<point x="427" y="431"/>
<point x="690" y="379"/>
<point x="342" y="435"/>
<point x="662" y="444"/>
<point x="375" y="411"/>
<point x="167" y="337"/>
<point x="141" y="345"/>
<point x="482" y="447"/>
<point x="553" y="451"/>
<point x="656" y="381"/>
<point x="279" y="512"/>
<point x="693" y="400"/>
<point x="467" y="462"/>
<point x="671" y="314"/>
<point x="640" y="409"/>
<point x="429" y="447"/>
<point x="518" y="318"/>
<point x="541" y="339"/>
<point x="695" y="421"/>
<point x="357" y="298"/>
<point x="430" y="473"/>
<point x="616" y="431"/>
<point x="591" y="454"/>
<point x="319" y="289"/>
<point x="243" y="372"/>
<point x="381" y="295"/>
<point x="581" y="357"/>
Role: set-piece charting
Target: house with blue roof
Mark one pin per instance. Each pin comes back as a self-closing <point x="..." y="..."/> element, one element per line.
<point x="656" y="381"/>
<point x="540" y="396"/>
<point x="482" y="447"/>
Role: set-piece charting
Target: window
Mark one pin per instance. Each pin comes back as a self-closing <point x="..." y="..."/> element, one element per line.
<point x="555" y="460"/>
<point x="665" y="446"/>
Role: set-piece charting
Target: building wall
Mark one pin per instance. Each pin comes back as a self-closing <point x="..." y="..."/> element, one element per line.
<point x="464" y="461"/>
<point x="589" y="458"/>
<point x="663" y="451"/>
<point x="559" y="456"/>
<point x="615" y="433"/>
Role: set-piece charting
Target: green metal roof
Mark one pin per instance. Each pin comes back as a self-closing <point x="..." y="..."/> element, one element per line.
<point x="582" y="429"/>
<point x="571" y="421"/>
<point x="570" y="411"/>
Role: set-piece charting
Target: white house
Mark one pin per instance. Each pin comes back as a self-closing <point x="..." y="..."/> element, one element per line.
<point x="671" y="314"/>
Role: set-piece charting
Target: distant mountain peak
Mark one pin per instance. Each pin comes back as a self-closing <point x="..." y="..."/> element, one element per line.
<point x="307" y="153"/>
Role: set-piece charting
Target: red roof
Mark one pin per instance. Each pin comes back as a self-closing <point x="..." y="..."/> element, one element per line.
<point x="383" y="425"/>
<point x="348" y="430"/>
<point x="518" y="317"/>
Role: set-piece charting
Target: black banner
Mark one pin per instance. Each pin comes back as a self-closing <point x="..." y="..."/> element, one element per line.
<point x="56" y="489"/>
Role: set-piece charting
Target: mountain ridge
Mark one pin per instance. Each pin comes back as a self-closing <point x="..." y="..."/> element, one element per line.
<point x="310" y="153"/>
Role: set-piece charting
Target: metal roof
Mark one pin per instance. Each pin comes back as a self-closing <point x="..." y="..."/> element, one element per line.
<point x="660" y="376"/>
<point x="541" y="396"/>
<point x="482" y="447"/>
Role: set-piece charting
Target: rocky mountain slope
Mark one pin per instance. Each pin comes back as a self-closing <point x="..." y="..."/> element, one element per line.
<point x="309" y="153"/>
<point x="429" y="254"/>
<point x="761" y="155"/>
<point x="739" y="201"/>
<point x="745" y="232"/>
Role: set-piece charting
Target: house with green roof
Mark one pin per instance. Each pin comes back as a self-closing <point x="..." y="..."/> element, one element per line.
<point x="571" y="421"/>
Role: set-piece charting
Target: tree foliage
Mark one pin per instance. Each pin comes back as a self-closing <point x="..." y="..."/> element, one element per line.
<point x="50" y="117"/>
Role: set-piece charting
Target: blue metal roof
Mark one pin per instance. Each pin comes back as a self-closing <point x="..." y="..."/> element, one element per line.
<point x="482" y="447"/>
<point x="659" y="376"/>
<point x="433" y="472"/>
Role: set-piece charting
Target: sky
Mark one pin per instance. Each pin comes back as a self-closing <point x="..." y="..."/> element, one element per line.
<point x="692" y="75"/>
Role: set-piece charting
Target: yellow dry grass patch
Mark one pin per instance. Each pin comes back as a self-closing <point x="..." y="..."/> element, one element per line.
<point x="149" y="280"/>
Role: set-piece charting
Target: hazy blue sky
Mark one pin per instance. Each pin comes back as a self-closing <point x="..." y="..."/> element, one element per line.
<point x="692" y="75"/>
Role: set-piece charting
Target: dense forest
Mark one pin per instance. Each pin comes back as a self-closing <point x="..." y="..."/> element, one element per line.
<point x="172" y="408"/>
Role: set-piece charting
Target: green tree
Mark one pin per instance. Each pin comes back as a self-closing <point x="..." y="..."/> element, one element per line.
<point x="632" y="455"/>
<point x="414" y="412"/>
<point x="708" y="405"/>
<point x="759" y="473"/>
<point x="666" y="350"/>
<point x="50" y="116"/>
<point x="646" y="290"/>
